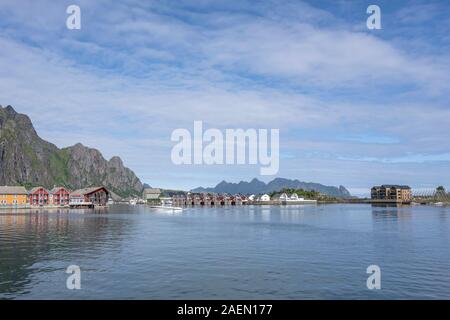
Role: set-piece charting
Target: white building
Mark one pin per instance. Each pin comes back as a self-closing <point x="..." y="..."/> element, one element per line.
<point x="283" y="197"/>
<point x="264" y="197"/>
<point x="294" y="197"/>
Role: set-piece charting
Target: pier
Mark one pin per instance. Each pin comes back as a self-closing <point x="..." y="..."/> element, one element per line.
<point x="213" y="200"/>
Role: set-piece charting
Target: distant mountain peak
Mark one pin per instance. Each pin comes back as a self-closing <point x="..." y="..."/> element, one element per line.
<point x="256" y="186"/>
<point x="116" y="160"/>
<point x="78" y="145"/>
<point x="10" y="109"/>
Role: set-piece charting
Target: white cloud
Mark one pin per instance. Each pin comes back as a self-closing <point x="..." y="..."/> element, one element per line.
<point x="132" y="75"/>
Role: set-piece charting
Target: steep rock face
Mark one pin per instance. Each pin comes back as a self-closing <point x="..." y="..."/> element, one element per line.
<point x="23" y="155"/>
<point x="88" y="167"/>
<point x="28" y="160"/>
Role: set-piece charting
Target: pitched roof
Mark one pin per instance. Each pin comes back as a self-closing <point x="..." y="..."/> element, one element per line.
<point x="86" y="190"/>
<point x="33" y="190"/>
<point x="55" y="189"/>
<point x="152" y="190"/>
<point x="12" y="190"/>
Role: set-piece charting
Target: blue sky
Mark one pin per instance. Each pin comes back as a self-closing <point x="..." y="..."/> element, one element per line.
<point x="354" y="106"/>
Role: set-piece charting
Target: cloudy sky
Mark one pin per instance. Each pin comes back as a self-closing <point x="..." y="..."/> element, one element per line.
<point x="354" y="106"/>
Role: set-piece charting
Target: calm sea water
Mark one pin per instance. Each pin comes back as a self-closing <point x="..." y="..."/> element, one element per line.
<point x="295" y="252"/>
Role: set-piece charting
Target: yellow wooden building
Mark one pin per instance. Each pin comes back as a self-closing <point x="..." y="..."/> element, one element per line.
<point x="13" y="196"/>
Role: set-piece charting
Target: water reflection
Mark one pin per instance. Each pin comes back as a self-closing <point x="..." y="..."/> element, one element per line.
<point x="29" y="238"/>
<point x="390" y="212"/>
<point x="261" y="252"/>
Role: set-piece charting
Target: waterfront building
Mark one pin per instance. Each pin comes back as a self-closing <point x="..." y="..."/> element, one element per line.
<point x="251" y="197"/>
<point x="179" y="200"/>
<point x="240" y="199"/>
<point x="228" y="199"/>
<point x="39" y="196"/>
<point x="209" y="199"/>
<point x="264" y="197"/>
<point x="221" y="200"/>
<point x="59" y="196"/>
<point x="13" y="196"/>
<point x="76" y="198"/>
<point x="294" y="197"/>
<point x="283" y="197"/>
<point x="151" y="194"/>
<point x="391" y="192"/>
<point x="97" y="196"/>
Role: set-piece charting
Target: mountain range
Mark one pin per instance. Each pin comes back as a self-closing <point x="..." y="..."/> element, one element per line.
<point x="258" y="187"/>
<point x="26" y="159"/>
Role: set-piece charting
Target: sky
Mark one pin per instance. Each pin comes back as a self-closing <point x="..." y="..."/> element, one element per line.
<point x="355" y="107"/>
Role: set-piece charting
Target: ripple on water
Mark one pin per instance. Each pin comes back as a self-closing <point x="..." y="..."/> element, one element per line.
<point x="242" y="253"/>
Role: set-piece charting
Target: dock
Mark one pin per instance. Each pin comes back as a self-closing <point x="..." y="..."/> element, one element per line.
<point x="81" y="205"/>
<point x="283" y="202"/>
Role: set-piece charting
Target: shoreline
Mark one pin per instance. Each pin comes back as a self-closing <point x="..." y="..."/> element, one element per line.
<point x="309" y="203"/>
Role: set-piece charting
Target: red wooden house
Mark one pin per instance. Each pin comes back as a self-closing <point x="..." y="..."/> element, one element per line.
<point x="39" y="196"/>
<point x="97" y="196"/>
<point x="59" y="196"/>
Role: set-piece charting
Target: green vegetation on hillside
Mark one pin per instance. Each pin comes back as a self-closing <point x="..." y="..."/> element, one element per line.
<point x="58" y="163"/>
<point x="312" y="195"/>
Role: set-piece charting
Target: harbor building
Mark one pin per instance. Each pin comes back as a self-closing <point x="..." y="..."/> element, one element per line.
<point x="39" y="196"/>
<point x="285" y="199"/>
<point x="59" y="196"/>
<point x="282" y="197"/>
<point x="13" y="196"/>
<point x="89" y="197"/>
<point x="209" y="199"/>
<point x="391" y="193"/>
<point x="151" y="195"/>
<point x="264" y="198"/>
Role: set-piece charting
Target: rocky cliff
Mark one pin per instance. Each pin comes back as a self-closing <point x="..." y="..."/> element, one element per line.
<point x="28" y="160"/>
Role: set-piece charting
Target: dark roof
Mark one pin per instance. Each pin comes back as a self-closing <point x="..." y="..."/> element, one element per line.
<point x="87" y="190"/>
<point x="392" y="186"/>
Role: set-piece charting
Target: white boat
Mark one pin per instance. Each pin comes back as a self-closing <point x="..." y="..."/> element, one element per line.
<point x="167" y="208"/>
<point x="166" y="204"/>
<point x="133" y="202"/>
